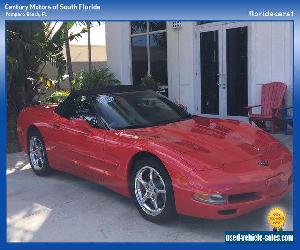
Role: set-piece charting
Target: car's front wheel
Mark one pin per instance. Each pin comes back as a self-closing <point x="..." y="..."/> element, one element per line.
<point x="37" y="154"/>
<point x="152" y="191"/>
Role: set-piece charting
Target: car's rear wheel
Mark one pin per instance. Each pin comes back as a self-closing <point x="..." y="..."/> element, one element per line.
<point x="37" y="154"/>
<point x="152" y="191"/>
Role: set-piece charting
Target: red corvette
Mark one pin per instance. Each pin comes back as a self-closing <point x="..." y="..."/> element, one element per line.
<point x="141" y="145"/>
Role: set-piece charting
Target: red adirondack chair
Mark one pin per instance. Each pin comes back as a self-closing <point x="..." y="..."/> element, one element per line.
<point x="272" y="99"/>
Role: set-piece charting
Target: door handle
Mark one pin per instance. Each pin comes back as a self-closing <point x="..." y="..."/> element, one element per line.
<point x="224" y="84"/>
<point x="218" y="79"/>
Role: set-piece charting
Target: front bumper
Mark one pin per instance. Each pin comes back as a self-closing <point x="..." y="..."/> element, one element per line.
<point x="244" y="194"/>
<point x="196" y="209"/>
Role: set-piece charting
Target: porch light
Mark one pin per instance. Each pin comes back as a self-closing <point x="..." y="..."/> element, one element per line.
<point x="216" y="199"/>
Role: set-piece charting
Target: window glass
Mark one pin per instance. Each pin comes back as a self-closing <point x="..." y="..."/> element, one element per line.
<point x="139" y="58"/>
<point x="138" y="109"/>
<point x="209" y="58"/>
<point x="237" y="71"/>
<point x="138" y="27"/>
<point x="158" y="57"/>
<point x="156" y="25"/>
<point x="149" y="51"/>
<point x="81" y="108"/>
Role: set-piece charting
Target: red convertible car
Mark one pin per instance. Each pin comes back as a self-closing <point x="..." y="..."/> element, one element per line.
<point x="142" y="145"/>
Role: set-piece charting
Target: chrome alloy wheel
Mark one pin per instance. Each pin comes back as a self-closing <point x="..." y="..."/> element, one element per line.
<point x="36" y="153"/>
<point x="150" y="190"/>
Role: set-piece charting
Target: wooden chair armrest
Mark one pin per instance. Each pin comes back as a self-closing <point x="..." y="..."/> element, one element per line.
<point x="253" y="106"/>
<point x="249" y="108"/>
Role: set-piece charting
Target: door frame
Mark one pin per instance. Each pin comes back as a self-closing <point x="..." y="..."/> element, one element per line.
<point x="221" y="27"/>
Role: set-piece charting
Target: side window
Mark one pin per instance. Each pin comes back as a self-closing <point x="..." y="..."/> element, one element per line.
<point x="83" y="109"/>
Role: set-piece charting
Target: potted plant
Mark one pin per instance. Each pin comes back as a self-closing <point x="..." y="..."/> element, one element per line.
<point x="150" y="82"/>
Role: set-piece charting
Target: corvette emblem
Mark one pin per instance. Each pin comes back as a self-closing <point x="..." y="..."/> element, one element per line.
<point x="263" y="163"/>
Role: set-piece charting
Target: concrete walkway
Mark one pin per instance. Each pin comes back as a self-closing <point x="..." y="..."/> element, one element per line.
<point x="64" y="208"/>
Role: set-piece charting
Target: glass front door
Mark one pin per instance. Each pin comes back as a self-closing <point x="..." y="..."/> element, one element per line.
<point x="209" y="61"/>
<point x="237" y="71"/>
<point x="223" y="70"/>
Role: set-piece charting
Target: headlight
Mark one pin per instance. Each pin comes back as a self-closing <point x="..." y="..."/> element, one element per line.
<point x="216" y="199"/>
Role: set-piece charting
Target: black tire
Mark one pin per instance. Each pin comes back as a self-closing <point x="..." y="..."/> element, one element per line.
<point x="44" y="169"/>
<point x="169" y="211"/>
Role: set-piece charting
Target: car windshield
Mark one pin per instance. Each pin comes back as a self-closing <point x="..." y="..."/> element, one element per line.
<point x="137" y="109"/>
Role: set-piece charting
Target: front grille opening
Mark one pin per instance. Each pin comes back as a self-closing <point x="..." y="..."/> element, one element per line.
<point x="227" y="211"/>
<point x="236" y="198"/>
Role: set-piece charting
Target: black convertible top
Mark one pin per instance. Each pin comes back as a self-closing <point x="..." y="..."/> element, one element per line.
<point x="109" y="90"/>
<point x="105" y="90"/>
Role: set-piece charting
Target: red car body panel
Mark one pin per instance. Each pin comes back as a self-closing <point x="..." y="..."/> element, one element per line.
<point x="200" y="154"/>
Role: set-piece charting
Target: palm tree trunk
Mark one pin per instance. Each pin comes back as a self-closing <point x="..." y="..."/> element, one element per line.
<point x="68" y="54"/>
<point x="89" y="45"/>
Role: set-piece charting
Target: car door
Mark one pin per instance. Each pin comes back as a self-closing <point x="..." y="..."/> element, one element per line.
<point x="96" y="165"/>
<point x="89" y="148"/>
<point x="78" y="129"/>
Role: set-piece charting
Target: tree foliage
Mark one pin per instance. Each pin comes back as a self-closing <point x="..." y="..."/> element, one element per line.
<point x="58" y="96"/>
<point x="64" y="36"/>
<point x="29" y="49"/>
<point x="98" y="78"/>
<point x="30" y="46"/>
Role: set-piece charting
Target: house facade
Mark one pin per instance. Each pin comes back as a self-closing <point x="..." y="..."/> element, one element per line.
<point x="213" y="68"/>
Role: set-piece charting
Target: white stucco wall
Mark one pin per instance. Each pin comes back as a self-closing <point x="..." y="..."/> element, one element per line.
<point x="118" y="50"/>
<point x="180" y="64"/>
<point x="269" y="58"/>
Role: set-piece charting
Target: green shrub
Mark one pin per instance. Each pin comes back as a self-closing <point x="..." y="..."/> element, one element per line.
<point x="58" y="96"/>
<point x="98" y="78"/>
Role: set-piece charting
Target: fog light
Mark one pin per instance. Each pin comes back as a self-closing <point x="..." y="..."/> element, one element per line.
<point x="210" y="198"/>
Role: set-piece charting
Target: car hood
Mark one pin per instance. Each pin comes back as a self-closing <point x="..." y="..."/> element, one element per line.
<point x="208" y="143"/>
